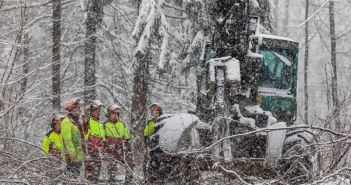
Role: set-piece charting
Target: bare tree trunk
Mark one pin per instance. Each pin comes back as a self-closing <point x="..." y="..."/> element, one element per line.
<point x="139" y="101"/>
<point x="306" y="63"/>
<point x="25" y="67"/>
<point x="287" y="17"/>
<point x="24" y="51"/>
<point x="327" y="85"/>
<point x="56" y="40"/>
<point x="337" y="148"/>
<point x="140" y="90"/>
<point x="275" y="14"/>
<point x="137" y="3"/>
<point x="6" y="91"/>
<point x="334" y="67"/>
<point x="94" y="16"/>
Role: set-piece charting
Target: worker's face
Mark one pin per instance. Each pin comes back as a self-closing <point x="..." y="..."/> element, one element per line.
<point x="76" y="110"/>
<point x="57" y="123"/>
<point x="85" y="118"/>
<point x="113" y="116"/>
<point x="95" y="113"/>
<point x="155" y="114"/>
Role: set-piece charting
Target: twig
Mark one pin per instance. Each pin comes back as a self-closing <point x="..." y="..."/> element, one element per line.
<point x="22" y="141"/>
<point x="344" y="136"/>
<point x="217" y="165"/>
<point x="331" y="175"/>
<point x="23" y="164"/>
<point x="315" y="13"/>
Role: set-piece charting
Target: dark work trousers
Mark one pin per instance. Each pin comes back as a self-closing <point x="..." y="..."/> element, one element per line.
<point x="118" y="152"/>
<point x="153" y="166"/>
<point x="73" y="168"/>
<point x="93" y="166"/>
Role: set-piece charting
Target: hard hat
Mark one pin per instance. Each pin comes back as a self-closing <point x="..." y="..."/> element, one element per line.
<point x="57" y="117"/>
<point x="86" y="108"/>
<point x="96" y="104"/>
<point x="71" y="104"/>
<point x="113" y="107"/>
<point x="156" y="107"/>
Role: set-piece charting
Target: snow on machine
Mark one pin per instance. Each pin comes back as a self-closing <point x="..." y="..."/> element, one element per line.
<point x="246" y="109"/>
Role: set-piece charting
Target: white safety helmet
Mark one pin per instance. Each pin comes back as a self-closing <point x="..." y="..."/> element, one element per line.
<point x="113" y="107"/>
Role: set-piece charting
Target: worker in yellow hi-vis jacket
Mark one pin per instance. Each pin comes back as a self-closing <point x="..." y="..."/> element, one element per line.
<point x="72" y="137"/>
<point x="95" y="137"/>
<point x="52" y="142"/>
<point x="151" y="161"/>
<point x="117" y="145"/>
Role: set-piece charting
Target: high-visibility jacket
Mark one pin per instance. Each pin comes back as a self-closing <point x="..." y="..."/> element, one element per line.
<point x="52" y="143"/>
<point x="116" y="130"/>
<point x="95" y="128"/>
<point x="149" y="128"/>
<point x="95" y="135"/>
<point x="117" y="136"/>
<point x="71" y="140"/>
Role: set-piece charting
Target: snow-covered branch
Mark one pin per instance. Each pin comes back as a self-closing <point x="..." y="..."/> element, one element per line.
<point x="150" y="13"/>
<point x="344" y="137"/>
<point x="217" y="165"/>
<point x="314" y="14"/>
<point x="32" y="5"/>
<point x="332" y="175"/>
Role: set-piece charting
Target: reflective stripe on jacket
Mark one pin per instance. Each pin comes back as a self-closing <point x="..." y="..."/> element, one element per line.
<point x="116" y="130"/>
<point x="71" y="140"/>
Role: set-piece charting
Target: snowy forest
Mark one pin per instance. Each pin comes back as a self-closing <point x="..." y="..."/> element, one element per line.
<point x="205" y="64"/>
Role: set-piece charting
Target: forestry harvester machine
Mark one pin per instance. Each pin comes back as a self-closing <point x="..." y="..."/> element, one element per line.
<point x="247" y="85"/>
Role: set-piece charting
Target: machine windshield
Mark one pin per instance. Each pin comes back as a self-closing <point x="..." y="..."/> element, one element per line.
<point x="279" y="67"/>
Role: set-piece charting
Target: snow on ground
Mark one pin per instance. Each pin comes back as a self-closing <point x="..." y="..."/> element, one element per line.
<point x="217" y="178"/>
<point x="336" y="181"/>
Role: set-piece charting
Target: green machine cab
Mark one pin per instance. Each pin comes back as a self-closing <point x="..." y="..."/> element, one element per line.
<point x="277" y="79"/>
<point x="278" y="82"/>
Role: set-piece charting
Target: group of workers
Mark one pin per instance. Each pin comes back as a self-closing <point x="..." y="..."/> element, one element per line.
<point x="76" y="138"/>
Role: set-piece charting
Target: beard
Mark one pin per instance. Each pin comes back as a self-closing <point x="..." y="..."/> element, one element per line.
<point x="75" y="117"/>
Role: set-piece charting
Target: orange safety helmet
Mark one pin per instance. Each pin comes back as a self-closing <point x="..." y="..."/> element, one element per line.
<point x="71" y="104"/>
